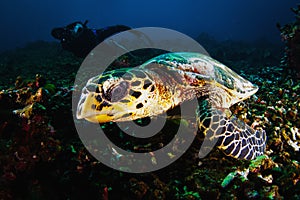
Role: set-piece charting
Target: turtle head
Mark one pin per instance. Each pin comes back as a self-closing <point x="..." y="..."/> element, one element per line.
<point x="236" y="87"/>
<point x="116" y="96"/>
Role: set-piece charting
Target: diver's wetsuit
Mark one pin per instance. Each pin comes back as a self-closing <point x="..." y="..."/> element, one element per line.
<point x="80" y="40"/>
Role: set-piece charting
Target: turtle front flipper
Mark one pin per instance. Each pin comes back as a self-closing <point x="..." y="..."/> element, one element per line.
<point x="230" y="134"/>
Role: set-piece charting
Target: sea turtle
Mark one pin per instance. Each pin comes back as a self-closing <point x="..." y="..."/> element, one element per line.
<point x="166" y="81"/>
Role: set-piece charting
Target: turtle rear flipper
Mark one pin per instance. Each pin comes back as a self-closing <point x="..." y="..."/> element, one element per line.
<point x="230" y="134"/>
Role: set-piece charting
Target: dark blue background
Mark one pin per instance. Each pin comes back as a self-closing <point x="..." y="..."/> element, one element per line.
<point x="24" y="21"/>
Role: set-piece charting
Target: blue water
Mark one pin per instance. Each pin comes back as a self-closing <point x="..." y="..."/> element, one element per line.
<point x="27" y="21"/>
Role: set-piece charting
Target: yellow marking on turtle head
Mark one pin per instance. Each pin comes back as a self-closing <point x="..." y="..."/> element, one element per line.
<point x="124" y="98"/>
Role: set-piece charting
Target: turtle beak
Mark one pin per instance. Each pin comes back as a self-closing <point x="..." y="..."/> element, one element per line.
<point x="247" y="90"/>
<point x="80" y="106"/>
<point x="253" y="90"/>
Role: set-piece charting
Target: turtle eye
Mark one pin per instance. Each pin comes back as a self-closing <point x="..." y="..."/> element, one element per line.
<point x="117" y="92"/>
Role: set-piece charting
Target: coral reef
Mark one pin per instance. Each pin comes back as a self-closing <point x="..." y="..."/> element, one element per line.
<point x="41" y="156"/>
<point x="28" y="137"/>
<point x="290" y="34"/>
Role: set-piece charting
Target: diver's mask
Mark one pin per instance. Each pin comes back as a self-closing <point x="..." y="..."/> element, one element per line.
<point x="70" y="32"/>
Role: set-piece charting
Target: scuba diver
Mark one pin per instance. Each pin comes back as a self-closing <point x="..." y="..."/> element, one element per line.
<point x="80" y="40"/>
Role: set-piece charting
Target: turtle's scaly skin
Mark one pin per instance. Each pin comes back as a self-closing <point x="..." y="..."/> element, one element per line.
<point x="164" y="82"/>
<point x="233" y="136"/>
